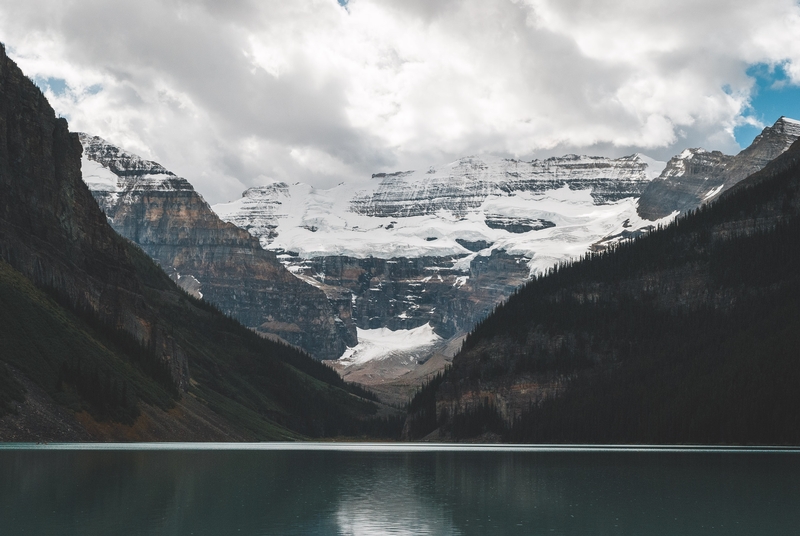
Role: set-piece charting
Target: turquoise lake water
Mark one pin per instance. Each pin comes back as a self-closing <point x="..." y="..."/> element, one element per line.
<point x="356" y="489"/>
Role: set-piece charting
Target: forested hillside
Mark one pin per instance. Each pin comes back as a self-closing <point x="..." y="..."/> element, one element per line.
<point x="688" y="335"/>
<point x="96" y="342"/>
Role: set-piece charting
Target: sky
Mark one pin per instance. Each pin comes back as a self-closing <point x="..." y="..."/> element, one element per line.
<point x="242" y="92"/>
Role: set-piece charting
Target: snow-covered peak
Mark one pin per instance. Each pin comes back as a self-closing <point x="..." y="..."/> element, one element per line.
<point x="688" y="154"/>
<point x="678" y="165"/>
<point x="787" y="127"/>
<point x="120" y="162"/>
<point x="108" y="168"/>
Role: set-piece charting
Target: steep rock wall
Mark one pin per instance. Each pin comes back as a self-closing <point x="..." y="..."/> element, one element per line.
<point x="51" y="229"/>
<point x="173" y="224"/>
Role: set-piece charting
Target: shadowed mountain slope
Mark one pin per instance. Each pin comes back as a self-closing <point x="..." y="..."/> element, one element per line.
<point x="96" y="340"/>
<point x="687" y="335"/>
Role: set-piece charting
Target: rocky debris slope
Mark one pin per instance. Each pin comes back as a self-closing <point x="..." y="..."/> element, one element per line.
<point x="209" y="258"/>
<point x="697" y="176"/>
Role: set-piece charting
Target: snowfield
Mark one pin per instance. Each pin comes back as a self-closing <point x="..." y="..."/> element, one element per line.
<point x="308" y="222"/>
<point x="382" y="343"/>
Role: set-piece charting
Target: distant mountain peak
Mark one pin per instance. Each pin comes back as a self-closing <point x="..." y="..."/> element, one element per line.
<point x="119" y="161"/>
<point x="697" y="176"/>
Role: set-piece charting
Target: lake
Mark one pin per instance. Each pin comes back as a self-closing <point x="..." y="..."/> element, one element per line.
<point x="366" y="489"/>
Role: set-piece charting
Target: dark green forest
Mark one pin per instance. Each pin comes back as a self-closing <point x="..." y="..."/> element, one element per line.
<point x="690" y="334"/>
<point x="269" y="389"/>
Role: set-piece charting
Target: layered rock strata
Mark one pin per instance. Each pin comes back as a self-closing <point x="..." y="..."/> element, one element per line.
<point x="209" y="258"/>
<point x="464" y="185"/>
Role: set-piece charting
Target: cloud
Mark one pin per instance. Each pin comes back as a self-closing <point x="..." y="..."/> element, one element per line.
<point x="228" y="93"/>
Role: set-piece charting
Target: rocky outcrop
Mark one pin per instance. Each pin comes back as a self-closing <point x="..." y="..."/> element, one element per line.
<point x="209" y="258"/>
<point x="517" y="225"/>
<point x="697" y="176"/>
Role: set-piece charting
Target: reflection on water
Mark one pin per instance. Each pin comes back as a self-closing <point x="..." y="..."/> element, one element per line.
<point x="384" y="492"/>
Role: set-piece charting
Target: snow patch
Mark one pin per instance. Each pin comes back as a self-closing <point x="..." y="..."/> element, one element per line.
<point x="98" y="177"/>
<point x="654" y="167"/>
<point x="382" y="343"/>
<point x="713" y="192"/>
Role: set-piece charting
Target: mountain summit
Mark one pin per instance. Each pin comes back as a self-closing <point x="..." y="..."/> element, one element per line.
<point x="697" y="176"/>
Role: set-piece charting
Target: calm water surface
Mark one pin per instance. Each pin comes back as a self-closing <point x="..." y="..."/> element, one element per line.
<point x="377" y="490"/>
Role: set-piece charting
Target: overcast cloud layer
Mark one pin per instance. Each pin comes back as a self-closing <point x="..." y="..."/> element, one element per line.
<point x="231" y="94"/>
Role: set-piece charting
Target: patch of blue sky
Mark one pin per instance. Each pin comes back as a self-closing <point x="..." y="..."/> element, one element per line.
<point x="57" y="85"/>
<point x="343" y="3"/>
<point x="773" y="96"/>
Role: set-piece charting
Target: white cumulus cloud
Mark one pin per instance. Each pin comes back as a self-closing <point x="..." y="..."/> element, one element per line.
<point x="229" y="93"/>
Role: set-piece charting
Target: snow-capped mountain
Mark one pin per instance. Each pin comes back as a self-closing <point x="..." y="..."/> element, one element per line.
<point x="697" y="176"/>
<point x="430" y="251"/>
<point x="545" y="210"/>
<point x="433" y="251"/>
<point x="209" y="258"/>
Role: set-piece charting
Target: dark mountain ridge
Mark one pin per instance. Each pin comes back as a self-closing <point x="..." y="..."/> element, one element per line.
<point x="97" y="342"/>
<point x="687" y="335"/>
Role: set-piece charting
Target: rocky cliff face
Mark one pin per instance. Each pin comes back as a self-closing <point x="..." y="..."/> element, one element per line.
<point x="697" y="176"/>
<point x="50" y="227"/>
<point x="95" y="340"/>
<point x="406" y="293"/>
<point x="209" y="258"/>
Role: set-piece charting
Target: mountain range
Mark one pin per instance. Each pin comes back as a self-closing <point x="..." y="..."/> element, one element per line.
<point x="686" y="335"/>
<point x="409" y="261"/>
<point x="578" y="299"/>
